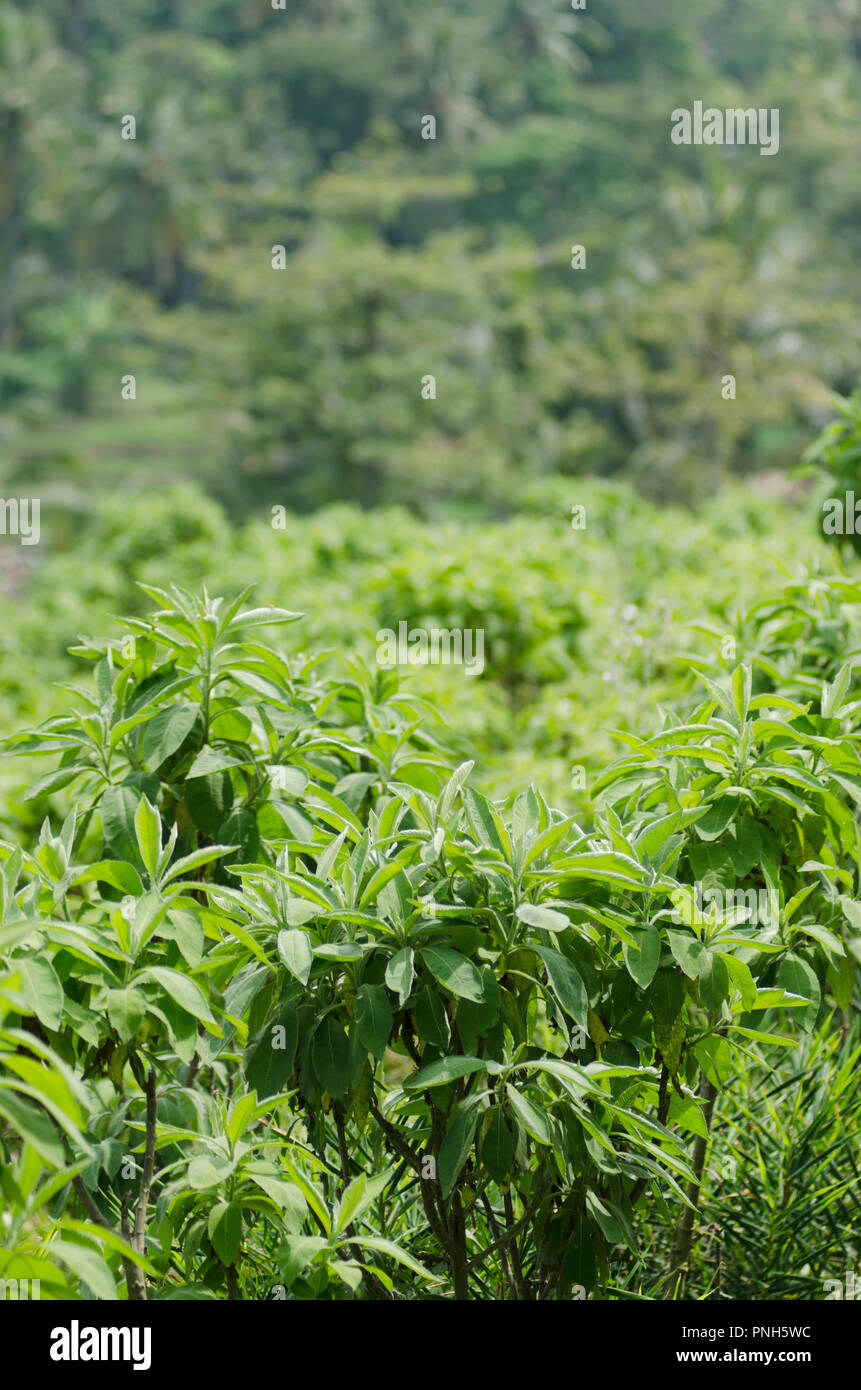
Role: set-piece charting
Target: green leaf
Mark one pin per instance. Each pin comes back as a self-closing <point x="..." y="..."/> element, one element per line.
<point x="166" y="732"/>
<point x="851" y="911"/>
<point x="261" y="617"/>
<point x="431" y="1019"/>
<point x="207" y="762"/>
<point x="533" y="1121"/>
<point x="578" y="1263"/>
<point x="741" y="977"/>
<point x="642" y="958"/>
<point x="685" y="1112"/>
<point x="270" y="1054"/>
<point x="361" y="1193"/>
<point x="711" y="866"/>
<point x="225" y="1230"/>
<point x="388" y="1247"/>
<point x="717" y="818"/>
<point x="715" y="1057"/>
<point x="34" y="1127"/>
<point x="294" y="948"/>
<point x="666" y="997"/>
<point x="454" y="971"/>
<point x="485" y="822"/>
<point x="148" y="836"/>
<point x="338" y="951"/>
<point x="187" y="993"/>
<point x="797" y="977"/>
<point x="440" y="1073"/>
<point x="544" y="918"/>
<point x="117" y="809"/>
<point x="209" y="798"/>
<point x="744" y="846"/>
<point x="451" y="789"/>
<point x="714" y="982"/>
<point x="566" y="984"/>
<point x="373" y="1015"/>
<point x="689" y="953"/>
<point x="126" y="1011"/>
<point x="207" y="1170"/>
<point x="117" y="872"/>
<point x="497" y="1147"/>
<point x="88" y="1266"/>
<point x="41" y="988"/>
<point x="459" y="1134"/>
<point x="240" y="828"/>
<point x="195" y="860"/>
<point x="189" y="935"/>
<point x="330" y="1052"/>
<point x="399" y="974"/>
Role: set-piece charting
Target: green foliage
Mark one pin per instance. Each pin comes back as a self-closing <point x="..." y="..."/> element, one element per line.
<point x="333" y="1023"/>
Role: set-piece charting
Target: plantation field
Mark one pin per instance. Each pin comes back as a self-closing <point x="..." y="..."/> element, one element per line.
<point x="430" y="659"/>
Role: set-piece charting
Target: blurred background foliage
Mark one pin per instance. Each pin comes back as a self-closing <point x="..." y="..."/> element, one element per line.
<point x="405" y="257"/>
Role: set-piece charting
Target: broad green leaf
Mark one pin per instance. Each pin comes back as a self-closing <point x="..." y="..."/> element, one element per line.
<point x="714" y="982"/>
<point x="33" y="1125"/>
<point x="126" y="1011"/>
<point x="544" y="918"/>
<point x="566" y="984"/>
<point x="294" y="948"/>
<point x="459" y="1134"/>
<point x="373" y="1015"/>
<point x="187" y="993"/>
<point x="225" y="1230"/>
<point x="166" y="732"/>
<point x="395" y="1252"/>
<point x="117" y="809"/>
<point x="88" y="1266"/>
<point x="399" y="974"/>
<point x="117" y="872"/>
<point x="148" y="836"/>
<point x="797" y="977"/>
<point x="667" y="996"/>
<point x="532" y="1119"/>
<point x="330" y="1052"/>
<point x="361" y="1193"/>
<point x="486" y="823"/>
<point x="270" y="1054"/>
<point x="441" y="1073"/>
<point x="41" y="988"/>
<point x="451" y="789"/>
<point x="454" y="971"/>
<point x="497" y="1147"/>
<point x="641" y="959"/>
<point x="431" y="1018"/>
<point x="689" y="953"/>
<point x="207" y="1170"/>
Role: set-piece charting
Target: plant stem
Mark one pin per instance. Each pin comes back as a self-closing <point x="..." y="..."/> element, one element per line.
<point x="683" y="1235"/>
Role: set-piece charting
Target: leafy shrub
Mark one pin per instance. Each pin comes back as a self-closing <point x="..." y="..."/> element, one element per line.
<point x="333" y="1023"/>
